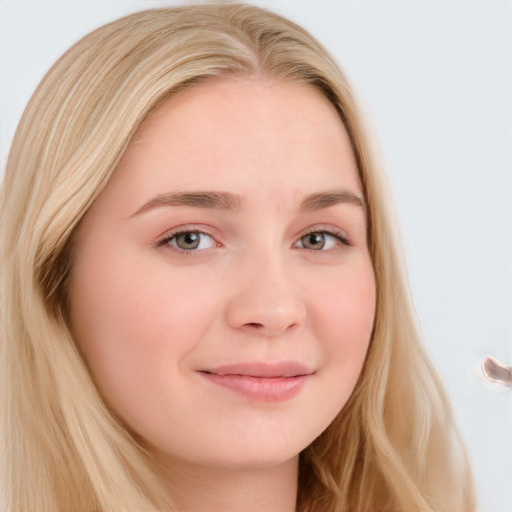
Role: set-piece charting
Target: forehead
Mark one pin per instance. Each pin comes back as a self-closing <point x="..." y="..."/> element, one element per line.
<point x="243" y="135"/>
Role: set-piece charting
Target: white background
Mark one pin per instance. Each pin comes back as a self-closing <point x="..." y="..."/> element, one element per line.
<point x="436" y="77"/>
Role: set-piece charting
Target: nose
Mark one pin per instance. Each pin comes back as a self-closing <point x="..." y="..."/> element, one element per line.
<point x="266" y="299"/>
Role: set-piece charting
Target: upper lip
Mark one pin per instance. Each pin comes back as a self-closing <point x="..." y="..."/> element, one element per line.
<point x="262" y="369"/>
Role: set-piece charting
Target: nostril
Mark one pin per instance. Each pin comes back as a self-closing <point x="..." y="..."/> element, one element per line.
<point x="255" y="324"/>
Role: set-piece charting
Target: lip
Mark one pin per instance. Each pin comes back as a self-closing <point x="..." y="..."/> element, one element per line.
<point x="261" y="381"/>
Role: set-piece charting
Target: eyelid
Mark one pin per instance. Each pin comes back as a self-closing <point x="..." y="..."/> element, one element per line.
<point x="329" y="230"/>
<point x="169" y="235"/>
<point x="162" y="241"/>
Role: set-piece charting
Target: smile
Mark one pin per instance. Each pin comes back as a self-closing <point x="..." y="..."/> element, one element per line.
<point x="262" y="382"/>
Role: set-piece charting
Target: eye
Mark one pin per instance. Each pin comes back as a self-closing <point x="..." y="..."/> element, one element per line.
<point x="321" y="240"/>
<point x="188" y="241"/>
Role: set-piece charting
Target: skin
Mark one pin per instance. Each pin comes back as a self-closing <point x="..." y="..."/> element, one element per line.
<point x="150" y="317"/>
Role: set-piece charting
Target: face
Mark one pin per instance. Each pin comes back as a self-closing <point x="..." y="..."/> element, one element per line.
<point x="223" y="295"/>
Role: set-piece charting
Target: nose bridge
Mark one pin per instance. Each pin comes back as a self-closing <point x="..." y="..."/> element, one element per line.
<point x="266" y="296"/>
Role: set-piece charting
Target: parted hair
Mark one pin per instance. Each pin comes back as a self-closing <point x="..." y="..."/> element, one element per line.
<point x="393" y="447"/>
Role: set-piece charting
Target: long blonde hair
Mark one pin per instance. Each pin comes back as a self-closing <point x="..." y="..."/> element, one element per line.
<point x="393" y="446"/>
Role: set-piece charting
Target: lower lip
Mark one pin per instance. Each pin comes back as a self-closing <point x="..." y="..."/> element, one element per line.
<point x="261" y="389"/>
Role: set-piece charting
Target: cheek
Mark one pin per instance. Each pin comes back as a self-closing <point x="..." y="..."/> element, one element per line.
<point x="345" y="313"/>
<point x="347" y="305"/>
<point x="135" y="327"/>
<point x="138" y="304"/>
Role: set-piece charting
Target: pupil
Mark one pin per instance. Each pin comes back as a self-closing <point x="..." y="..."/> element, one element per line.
<point x="314" y="241"/>
<point x="188" y="240"/>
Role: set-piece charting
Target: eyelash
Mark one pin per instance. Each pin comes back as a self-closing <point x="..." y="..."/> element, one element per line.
<point x="335" y="233"/>
<point x="165" y="241"/>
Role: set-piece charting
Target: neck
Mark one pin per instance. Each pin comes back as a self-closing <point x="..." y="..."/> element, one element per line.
<point x="204" y="489"/>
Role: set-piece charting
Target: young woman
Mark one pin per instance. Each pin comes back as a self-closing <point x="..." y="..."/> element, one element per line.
<point x="203" y="302"/>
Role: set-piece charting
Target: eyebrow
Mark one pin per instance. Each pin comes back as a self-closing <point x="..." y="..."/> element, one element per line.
<point x="212" y="200"/>
<point x="321" y="200"/>
<point x="229" y="201"/>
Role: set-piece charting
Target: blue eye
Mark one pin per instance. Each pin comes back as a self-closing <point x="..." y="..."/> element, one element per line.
<point x="188" y="241"/>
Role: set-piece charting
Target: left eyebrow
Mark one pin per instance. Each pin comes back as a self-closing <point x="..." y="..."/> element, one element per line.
<point x="320" y="200"/>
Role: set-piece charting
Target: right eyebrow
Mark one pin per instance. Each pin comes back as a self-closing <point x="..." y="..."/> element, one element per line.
<point x="215" y="200"/>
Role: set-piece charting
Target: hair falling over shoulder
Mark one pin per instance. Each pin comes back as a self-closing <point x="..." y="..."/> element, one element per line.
<point x="393" y="447"/>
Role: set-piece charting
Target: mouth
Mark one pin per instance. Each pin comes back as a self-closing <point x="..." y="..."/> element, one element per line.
<point x="262" y="382"/>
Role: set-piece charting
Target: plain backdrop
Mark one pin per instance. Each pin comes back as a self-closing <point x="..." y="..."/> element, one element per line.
<point x="435" y="77"/>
